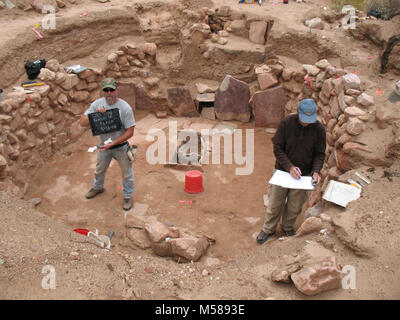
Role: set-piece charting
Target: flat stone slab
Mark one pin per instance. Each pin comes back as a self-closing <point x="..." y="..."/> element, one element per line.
<point x="269" y="106"/>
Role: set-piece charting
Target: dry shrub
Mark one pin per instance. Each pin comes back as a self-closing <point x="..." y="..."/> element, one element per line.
<point x="387" y="8"/>
<point x="338" y="4"/>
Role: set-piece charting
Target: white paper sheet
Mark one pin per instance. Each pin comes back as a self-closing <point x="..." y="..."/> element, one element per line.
<point x="341" y="193"/>
<point x="93" y="149"/>
<point x="284" y="179"/>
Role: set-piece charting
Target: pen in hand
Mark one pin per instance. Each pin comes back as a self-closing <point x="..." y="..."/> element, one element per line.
<point x="295" y="172"/>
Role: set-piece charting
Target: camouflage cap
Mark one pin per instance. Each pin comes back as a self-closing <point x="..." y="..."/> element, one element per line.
<point x="109" y="83"/>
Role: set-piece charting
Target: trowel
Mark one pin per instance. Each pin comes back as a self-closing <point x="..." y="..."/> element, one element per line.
<point x="102" y="241"/>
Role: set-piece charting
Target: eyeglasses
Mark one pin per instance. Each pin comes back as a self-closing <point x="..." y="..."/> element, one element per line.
<point x="108" y="90"/>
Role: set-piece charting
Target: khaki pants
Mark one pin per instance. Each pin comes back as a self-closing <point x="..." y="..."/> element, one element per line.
<point x="285" y="203"/>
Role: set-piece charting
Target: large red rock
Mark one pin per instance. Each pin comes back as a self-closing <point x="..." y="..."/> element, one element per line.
<point x="257" y="31"/>
<point x="269" y="106"/>
<point x="318" y="277"/>
<point x="188" y="248"/>
<point x="232" y="100"/>
<point x="158" y="231"/>
<point x="181" y="103"/>
<point x="310" y="225"/>
<point x="266" y="80"/>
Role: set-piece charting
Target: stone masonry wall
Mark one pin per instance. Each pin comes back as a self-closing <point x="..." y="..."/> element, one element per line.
<point x="343" y="108"/>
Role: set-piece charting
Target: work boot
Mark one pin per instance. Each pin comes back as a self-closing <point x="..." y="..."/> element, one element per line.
<point x="93" y="192"/>
<point x="289" y="233"/>
<point x="127" y="204"/>
<point x="262" y="237"/>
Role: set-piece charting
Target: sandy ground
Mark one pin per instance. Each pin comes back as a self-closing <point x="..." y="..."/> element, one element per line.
<point x="230" y="210"/>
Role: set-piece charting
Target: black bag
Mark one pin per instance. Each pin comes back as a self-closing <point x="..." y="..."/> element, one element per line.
<point x="33" y="68"/>
<point x="374" y="13"/>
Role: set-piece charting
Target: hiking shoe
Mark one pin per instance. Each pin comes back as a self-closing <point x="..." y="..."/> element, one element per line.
<point x="262" y="237"/>
<point x="127" y="204"/>
<point x="93" y="192"/>
<point x="289" y="233"/>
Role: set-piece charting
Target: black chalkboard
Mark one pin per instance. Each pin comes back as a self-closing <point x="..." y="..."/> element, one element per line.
<point x="106" y="122"/>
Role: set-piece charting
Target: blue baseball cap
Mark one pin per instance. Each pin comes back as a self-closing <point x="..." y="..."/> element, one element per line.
<point x="307" y="111"/>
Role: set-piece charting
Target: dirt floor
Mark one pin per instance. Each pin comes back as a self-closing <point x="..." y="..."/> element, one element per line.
<point x="230" y="210"/>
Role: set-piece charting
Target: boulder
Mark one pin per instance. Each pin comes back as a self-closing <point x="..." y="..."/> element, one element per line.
<point x="323" y="64"/>
<point x="158" y="231"/>
<point x="188" y="248"/>
<point x="257" y="31"/>
<point x="18" y="95"/>
<point x="139" y="238"/>
<point x="282" y="274"/>
<point x="43" y="90"/>
<point x="351" y="81"/>
<point x="71" y="80"/>
<point x="266" y="80"/>
<point x="310" y="225"/>
<point x="318" y="277"/>
<point x="162" y="249"/>
<point x="355" y="126"/>
<point x="112" y="57"/>
<point x="310" y="69"/>
<point x="315" y="23"/>
<point x="338" y="86"/>
<point x="79" y="96"/>
<point x="349" y="100"/>
<point x="334" y="107"/>
<point x="238" y="28"/>
<point x="232" y="100"/>
<point x="181" y="102"/>
<point x="293" y="86"/>
<point x="354" y="112"/>
<point x="353" y="92"/>
<point x="53" y="65"/>
<point x="365" y="100"/>
<point x="150" y="48"/>
<point x="62" y="99"/>
<point x="327" y="87"/>
<point x="269" y="106"/>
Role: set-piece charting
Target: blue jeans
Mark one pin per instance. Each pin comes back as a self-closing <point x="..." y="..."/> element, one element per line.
<point x="103" y="162"/>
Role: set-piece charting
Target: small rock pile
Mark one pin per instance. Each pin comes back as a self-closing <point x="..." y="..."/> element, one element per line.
<point x="312" y="272"/>
<point x="165" y="240"/>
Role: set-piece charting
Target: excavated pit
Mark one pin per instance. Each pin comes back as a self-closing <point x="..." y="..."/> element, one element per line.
<point x="230" y="210"/>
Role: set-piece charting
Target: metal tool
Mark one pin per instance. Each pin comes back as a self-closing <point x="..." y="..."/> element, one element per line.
<point x="361" y="177"/>
<point x="102" y="241"/>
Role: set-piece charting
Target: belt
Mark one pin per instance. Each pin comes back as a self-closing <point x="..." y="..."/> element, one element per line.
<point x="119" y="145"/>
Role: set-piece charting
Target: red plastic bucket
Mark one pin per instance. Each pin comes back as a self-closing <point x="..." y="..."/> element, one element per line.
<point x="193" y="182"/>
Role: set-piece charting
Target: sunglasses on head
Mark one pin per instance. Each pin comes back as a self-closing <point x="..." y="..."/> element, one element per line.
<point x="108" y="90"/>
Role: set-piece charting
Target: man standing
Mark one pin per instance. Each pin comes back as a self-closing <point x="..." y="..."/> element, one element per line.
<point x="299" y="148"/>
<point x="119" y="146"/>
